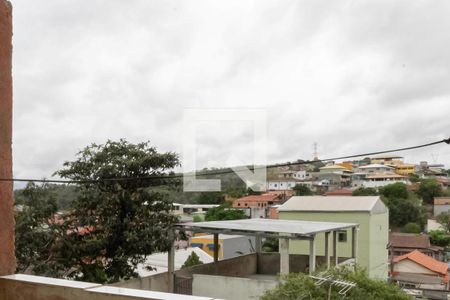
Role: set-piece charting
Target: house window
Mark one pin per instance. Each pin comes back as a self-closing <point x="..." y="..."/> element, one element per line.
<point x="342" y="236"/>
<point x="239" y="204"/>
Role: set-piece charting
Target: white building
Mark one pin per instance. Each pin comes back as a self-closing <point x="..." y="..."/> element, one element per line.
<point x="180" y="209"/>
<point x="376" y="168"/>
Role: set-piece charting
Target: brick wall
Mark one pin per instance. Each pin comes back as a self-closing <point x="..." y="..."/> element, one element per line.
<point x="7" y="259"/>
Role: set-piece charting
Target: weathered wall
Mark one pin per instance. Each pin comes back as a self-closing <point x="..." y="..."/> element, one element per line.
<point x="27" y="287"/>
<point x="7" y="258"/>
<point x="230" y="287"/>
<point x="158" y="282"/>
<point x="241" y="266"/>
<point x="269" y="263"/>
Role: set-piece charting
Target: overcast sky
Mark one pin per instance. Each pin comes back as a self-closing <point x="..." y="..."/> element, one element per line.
<point x="353" y="76"/>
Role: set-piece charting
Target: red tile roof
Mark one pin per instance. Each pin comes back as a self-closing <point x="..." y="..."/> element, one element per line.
<point x="425" y="261"/>
<point x="259" y="198"/>
<point x="339" y="192"/>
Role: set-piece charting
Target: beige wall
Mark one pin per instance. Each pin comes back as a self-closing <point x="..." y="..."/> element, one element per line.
<point x="234" y="288"/>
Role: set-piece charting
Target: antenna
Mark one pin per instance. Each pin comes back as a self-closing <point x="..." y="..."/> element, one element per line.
<point x="435" y="157"/>
<point x="315" y="154"/>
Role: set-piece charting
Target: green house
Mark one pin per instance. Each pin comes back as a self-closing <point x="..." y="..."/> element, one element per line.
<point x="368" y="211"/>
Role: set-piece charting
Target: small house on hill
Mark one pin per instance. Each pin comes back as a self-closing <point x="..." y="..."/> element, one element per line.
<point x="368" y="211"/>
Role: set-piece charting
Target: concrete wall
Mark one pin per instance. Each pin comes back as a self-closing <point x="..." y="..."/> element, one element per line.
<point x="27" y="287"/>
<point x="269" y="263"/>
<point x="372" y="238"/>
<point x="157" y="282"/>
<point x="438" y="209"/>
<point x="241" y="266"/>
<point x="230" y="287"/>
<point x="7" y="258"/>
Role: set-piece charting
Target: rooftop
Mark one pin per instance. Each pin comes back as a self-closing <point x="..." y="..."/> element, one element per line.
<point x="259" y="198"/>
<point x="386" y="157"/>
<point x="441" y="200"/>
<point x="333" y="167"/>
<point x="385" y="175"/>
<point x="409" y="240"/>
<point x="339" y="192"/>
<point x="372" y="204"/>
<point x="425" y="261"/>
<point x="271" y="226"/>
<point x="371" y="166"/>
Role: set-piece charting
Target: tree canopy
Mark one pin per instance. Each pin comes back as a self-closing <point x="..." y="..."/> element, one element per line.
<point x="362" y="191"/>
<point x="404" y="206"/>
<point x="192" y="260"/>
<point x="444" y="220"/>
<point x="224" y="212"/>
<point x="428" y="189"/>
<point x="300" y="286"/>
<point x="302" y="190"/>
<point x="115" y="223"/>
<point x="35" y="230"/>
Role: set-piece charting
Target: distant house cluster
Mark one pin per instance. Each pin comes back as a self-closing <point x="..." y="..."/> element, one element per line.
<point x="369" y="172"/>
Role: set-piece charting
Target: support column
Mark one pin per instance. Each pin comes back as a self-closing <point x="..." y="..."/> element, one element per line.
<point x="312" y="255"/>
<point x="171" y="268"/>
<point x="7" y="224"/>
<point x="355" y="244"/>
<point x="258" y="244"/>
<point x="216" y="247"/>
<point x="284" y="256"/>
<point x="327" y="249"/>
<point x="335" y="252"/>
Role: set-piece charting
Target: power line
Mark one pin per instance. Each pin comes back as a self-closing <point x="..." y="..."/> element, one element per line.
<point x="220" y="172"/>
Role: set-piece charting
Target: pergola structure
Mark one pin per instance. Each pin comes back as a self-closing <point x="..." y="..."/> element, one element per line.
<point x="284" y="230"/>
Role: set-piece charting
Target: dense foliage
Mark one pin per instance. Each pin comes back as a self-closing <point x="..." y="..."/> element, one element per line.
<point x="362" y="191"/>
<point x="428" y="189"/>
<point x="439" y="238"/>
<point x="192" y="260"/>
<point x="297" y="286"/>
<point x="270" y="244"/>
<point x="302" y="190"/>
<point x="224" y="212"/>
<point x="444" y="220"/>
<point x="411" y="228"/>
<point x="112" y="223"/>
<point x="404" y="206"/>
<point x="35" y="230"/>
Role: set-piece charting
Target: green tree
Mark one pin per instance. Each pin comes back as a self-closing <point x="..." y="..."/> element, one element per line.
<point x="396" y="190"/>
<point x="36" y="230"/>
<point x="224" y="212"/>
<point x="444" y="220"/>
<point x="302" y="190"/>
<point x="211" y="198"/>
<point x="270" y="245"/>
<point x="404" y="206"/>
<point x="115" y="222"/>
<point x="414" y="177"/>
<point x="439" y="238"/>
<point x="197" y="218"/>
<point x="362" y="191"/>
<point x="300" y="286"/>
<point x="428" y="189"/>
<point x="192" y="260"/>
<point x="411" y="228"/>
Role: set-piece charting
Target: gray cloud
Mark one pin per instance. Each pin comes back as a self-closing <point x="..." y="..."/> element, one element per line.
<point x="353" y="76"/>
